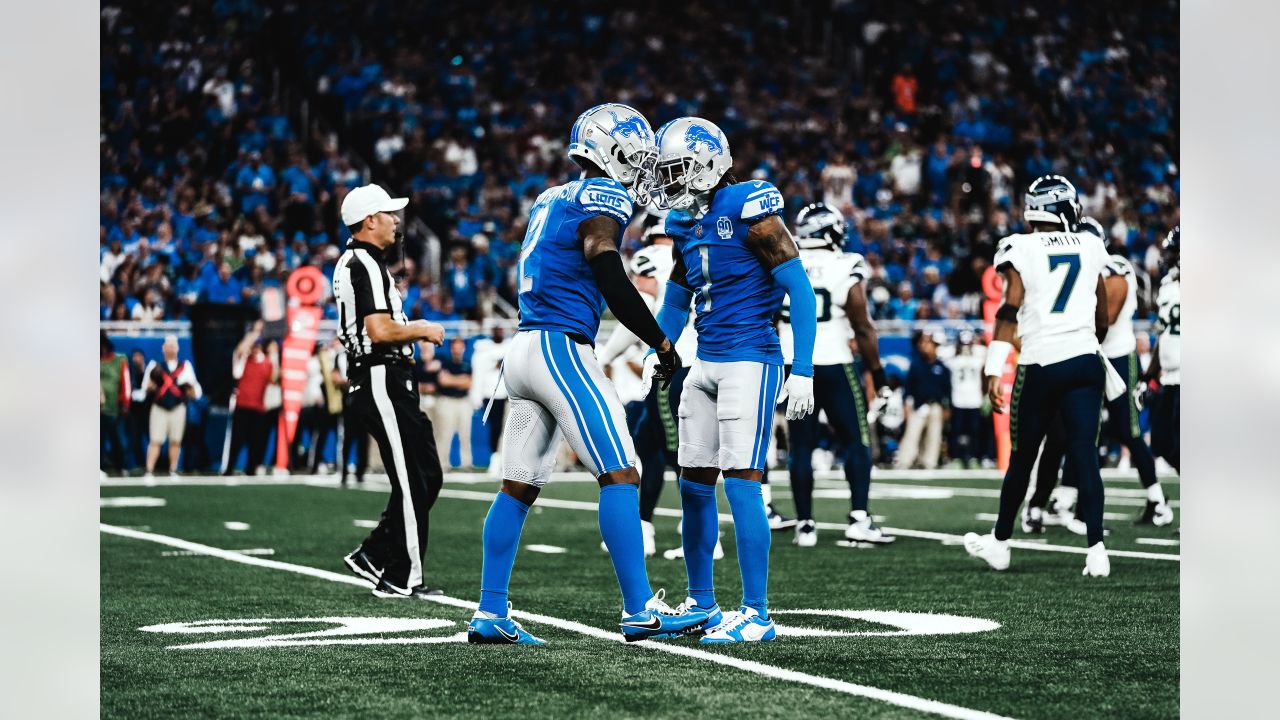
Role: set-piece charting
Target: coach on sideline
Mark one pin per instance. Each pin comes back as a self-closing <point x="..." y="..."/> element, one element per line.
<point x="379" y="341"/>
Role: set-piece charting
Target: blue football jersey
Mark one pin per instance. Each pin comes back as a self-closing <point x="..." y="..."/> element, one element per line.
<point x="557" y="290"/>
<point x="736" y="296"/>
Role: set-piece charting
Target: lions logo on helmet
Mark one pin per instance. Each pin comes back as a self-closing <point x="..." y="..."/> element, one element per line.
<point x="617" y="139"/>
<point x="692" y="157"/>
<point x="818" y="226"/>
<point x="1052" y="199"/>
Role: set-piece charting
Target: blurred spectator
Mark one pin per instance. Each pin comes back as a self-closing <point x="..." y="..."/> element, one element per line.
<point x="967" y="396"/>
<point x="170" y="384"/>
<point x="927" y="395"/>
<point x="139" y="408"/>
<point x="113" y="407"/>
<point x="453" y="409"/>
<point x="905" y="87"/>
<point x="254" y="371"/>
<point x="486" y="362"/>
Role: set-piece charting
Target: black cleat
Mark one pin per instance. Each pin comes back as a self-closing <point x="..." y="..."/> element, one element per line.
<point x="385" y="589"/>
<point x="1033" y="521"/>
<point x="359" y="563"/>
<point x="778" y="521"/>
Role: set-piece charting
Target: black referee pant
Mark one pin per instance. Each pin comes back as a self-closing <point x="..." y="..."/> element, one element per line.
<point x="386" y="402"/>
<point x="1075" y="389"/>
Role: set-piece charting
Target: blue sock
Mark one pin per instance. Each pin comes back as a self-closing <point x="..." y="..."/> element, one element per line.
<point x="701" y="531"/>
<point x="501" y="535"/>
<point x="751" y="525"/>
<point x="620" y="528"/>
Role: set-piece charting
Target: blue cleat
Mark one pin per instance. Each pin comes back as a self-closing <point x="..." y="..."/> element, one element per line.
<point x="659" y="620"/>
<point x="746" y="625"/>
<point x="714" y="618"/>
<point x="489" y="629"/>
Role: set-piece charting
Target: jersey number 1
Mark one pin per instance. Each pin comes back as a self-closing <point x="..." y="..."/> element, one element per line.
<point x="1073" y="271"/>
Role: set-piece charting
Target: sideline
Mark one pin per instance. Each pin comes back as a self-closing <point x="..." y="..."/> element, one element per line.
<point x="380" y="485"/>
<point x="911" y="702"/>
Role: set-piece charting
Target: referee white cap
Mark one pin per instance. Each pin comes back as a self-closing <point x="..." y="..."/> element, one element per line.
<point x="368" y="200"/>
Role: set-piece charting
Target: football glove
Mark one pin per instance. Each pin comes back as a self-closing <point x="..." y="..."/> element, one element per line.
<point x="658" y="366"/>
<point x="799" y="390"/>
<point x="879" y="403"/>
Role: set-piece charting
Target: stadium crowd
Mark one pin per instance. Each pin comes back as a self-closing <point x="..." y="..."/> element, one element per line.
<point x="225" y="154"/>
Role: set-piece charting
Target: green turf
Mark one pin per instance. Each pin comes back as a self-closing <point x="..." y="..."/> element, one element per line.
<point x="1068" y="646"/>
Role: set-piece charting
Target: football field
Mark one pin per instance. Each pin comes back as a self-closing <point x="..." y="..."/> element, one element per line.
<point x="228" y="597"/>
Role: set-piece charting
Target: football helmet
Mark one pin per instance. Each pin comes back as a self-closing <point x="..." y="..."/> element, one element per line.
<point x="692" y="157"/>
<point x="617" y="139"/>
<point x="1052" y="199"/>
<point x="820" y="227"/>
<point x="1171" y="248"/>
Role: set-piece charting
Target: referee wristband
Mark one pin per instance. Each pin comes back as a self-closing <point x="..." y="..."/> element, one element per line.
<point x="997" y="353"/>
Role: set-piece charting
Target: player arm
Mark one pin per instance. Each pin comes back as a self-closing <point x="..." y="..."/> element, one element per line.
<point x="676" y="300"/>
<point x="599" y="244"/>
<point x="188" y="379"/>
<point x="772" y="244"/>
<point x="1153" y="367"/>
<point x="1101" y="313"/>
<point x="1005" y="333"/>
<point x="1117" y="293"/>
<point x="864" y="333"/>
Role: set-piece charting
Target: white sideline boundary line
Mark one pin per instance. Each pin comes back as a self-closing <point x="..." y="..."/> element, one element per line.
<point x="380" y="486"/>
<point x="904" y="700"/>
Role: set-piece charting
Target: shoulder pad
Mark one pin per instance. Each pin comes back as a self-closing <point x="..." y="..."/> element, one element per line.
<point x="606" y="196"/>
<point x="760" y="199"/>
<point x="1119" y="265"/>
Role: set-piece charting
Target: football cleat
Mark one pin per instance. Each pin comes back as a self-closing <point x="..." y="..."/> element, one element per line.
<point x="806" y="534"/>
<point x="714" y="618"/>
<point x="488" y="629"/>
<point x="1157" y="514"/>
<point x="658" y="619"/>
<point x="385" y="589"/>
<point x="989" y="549"/>
<point x="745" y="625"/>
<point x="677" y="552"/>
<point x="359" y="563"/>
<point x="1057" y="514"/>
<point x="1033" y="521"/>
<point x="778" y="521"/>
<point x="865" y="530"/>
<point x="1096" y="562"/>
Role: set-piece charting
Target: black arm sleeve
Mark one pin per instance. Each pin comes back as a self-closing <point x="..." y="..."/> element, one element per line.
<point x="623" y="298"/>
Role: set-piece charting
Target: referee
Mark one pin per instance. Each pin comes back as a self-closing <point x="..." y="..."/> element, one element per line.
<point x="379" y="341"/>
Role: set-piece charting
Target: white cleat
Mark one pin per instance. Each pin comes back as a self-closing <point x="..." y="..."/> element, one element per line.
<point x="989" y="549"/>
<point x="806" y="534"/>
<point x="866" y="531"/>
<point x="677" y="552"/>
<point x="1096" y="563"/>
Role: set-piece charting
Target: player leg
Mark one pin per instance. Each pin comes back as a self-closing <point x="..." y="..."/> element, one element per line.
<point x="1031" y="407"/>
<point x="802" y="435"/>
<point x="1051" y="455"/>
<point x="1082" y="417"/>
<point x="747" y="394"/>
<point x="1123" y="423"/>
<point x="846" y="408"/>
<point x="646" y="429"/>
<point x="698" y="458"/>
<point x="1175" y="427"/>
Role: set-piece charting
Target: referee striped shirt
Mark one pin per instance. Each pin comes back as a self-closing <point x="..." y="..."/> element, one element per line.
<point x="363" y="286"/>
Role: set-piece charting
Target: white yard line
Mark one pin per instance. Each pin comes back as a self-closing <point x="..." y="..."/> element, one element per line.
<point x="1158" y="541"/>
<point x="546" y="549"/>
<point x="487" y="496"/>
<point x="904" y="700"/>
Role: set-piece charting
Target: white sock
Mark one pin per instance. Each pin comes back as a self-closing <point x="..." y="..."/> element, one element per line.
<point x="859" y="515"/>
<point x="1155" y="494"/>
<point x="766" y="493"/>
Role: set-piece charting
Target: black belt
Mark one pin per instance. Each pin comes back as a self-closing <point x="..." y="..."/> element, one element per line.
<point x="368" y="361"/>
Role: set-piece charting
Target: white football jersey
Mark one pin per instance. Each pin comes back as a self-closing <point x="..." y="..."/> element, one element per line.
<point x="967" y="389"/>
<point x="832" y="274"/>
<point x="1169" y="325"/>
<point x="1120" y="340"/>
<point x="1060" y="272"/>
<point x="662" y="259"/>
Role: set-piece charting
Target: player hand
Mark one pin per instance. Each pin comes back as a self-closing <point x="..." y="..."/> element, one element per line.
<point x="668" y="363"/>
<point x="799" y="390"/>
<point x="432" y="332"/>
<point x="879" y="403"/>
<point x="995" y="393"/>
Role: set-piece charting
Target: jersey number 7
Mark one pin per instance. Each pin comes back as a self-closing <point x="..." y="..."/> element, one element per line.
<point x="1073" y="271"/>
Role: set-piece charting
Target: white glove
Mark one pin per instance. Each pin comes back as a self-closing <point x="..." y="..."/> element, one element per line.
<point x="879" y="403"/>
<point x="650" y="365"/>
<point x="799" y="390"/>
